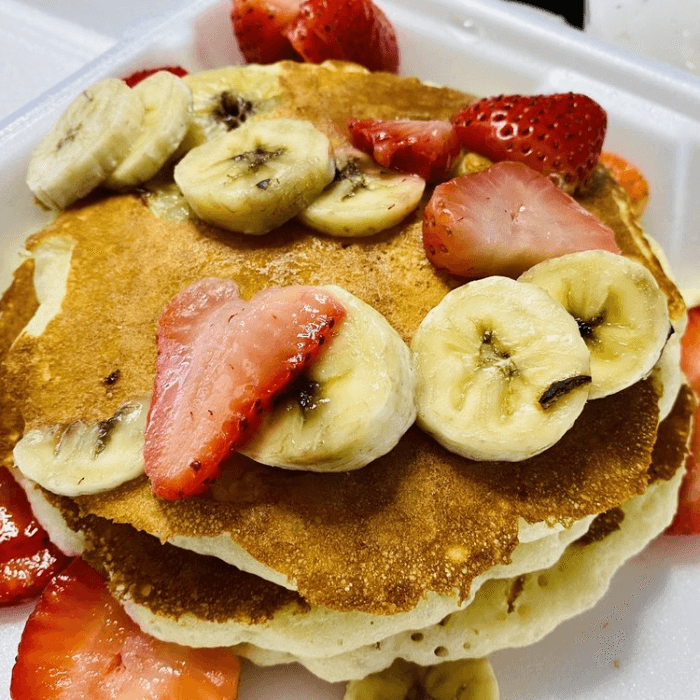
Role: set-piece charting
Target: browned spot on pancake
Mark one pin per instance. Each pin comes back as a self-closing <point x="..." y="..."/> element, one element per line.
<point x="671" y="448"/>
<point x="419" y="519"/>
<point x="172" y="581"/>
<point x="602" y="526"/>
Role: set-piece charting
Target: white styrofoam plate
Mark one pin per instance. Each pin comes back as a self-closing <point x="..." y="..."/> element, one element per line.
<point x="641" y="641"/>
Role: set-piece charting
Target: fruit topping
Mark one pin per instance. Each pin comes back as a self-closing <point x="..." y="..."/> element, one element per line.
<point x="505" y="219"/>
<point x="347" y="30"/>
<point x="138" y="76"/>
<point x="221" y="363"/>
<point x="29" y="560"/>
<point x="315" y="31"/>
<point x="259" y="29"/>
<point x="557" y="135"/>
<point x="687" y="520"/>
<point x="254" y="178"/>
<point x="424" y="148"/>
<point x="87" y="142"/>
<point x="79" y="643"/>
<point x="502" y="370"/>
<point x="350" y="407"/>
<point x="630" y="178"/>
<point x="363" y="198"/>
<point x="621" y="313"/>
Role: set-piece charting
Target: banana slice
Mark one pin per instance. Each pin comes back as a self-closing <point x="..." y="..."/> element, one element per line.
<point x="167" y="101"/>
<point x="467" y="679"/>
<point x="352" y="406"/>
<point x="82" y="458"/>
<point x="502" y="370"/>
<point x="621" y="312"/>
<point x="363" y="198"/>
<point x="255" y="178"/>
<point x="225" y="98"/>
<point x="86" y="144"/>
<point x="398" y="682"/>
<point x="667" y="375"/>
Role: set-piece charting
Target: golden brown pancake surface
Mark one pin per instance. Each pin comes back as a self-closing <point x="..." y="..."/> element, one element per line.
<point x="419" y="519"/>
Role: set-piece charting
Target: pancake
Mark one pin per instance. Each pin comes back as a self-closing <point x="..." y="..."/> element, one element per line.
<point x="315" y="529"/>
<point x="317" y="566"/>
<point x="201" y="601"/>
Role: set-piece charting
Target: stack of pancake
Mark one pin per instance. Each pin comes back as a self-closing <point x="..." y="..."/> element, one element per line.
<point x="422" y="554"/>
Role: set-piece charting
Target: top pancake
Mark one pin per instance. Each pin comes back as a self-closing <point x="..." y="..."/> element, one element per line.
<point x="419" y="519"/>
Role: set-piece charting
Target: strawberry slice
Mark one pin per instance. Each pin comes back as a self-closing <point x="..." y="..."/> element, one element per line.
<point x="29" y="561"/>
<point x="687" y="519"/>
<point x="259" y="27"/>
<point x="138" y="76"/>
<point x="79" y="643"/>
<point x="221" y="362"/>
<point x="557" y="135"/>
<point x="630" y="178"/>
<point x="424" y="148"/>
<point x="345" y="30"/>
<point x="505" y="219"/>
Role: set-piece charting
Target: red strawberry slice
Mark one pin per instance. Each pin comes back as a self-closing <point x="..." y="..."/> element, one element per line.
<point x="259" y="27"/>
<point x="136" y="78"/>
<point x="505" y="219"/>
<point x="29" y="561"/>
<point x="557" y="135"/>
<point x="79" y="643"/>
<point x="221" y="362"/>
<point x="346" y="30"/>
<point x="687" y="519"/>
<point x="424" y="148"/>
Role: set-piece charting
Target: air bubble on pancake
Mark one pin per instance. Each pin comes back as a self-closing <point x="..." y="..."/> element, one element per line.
<point x="52" y="258"/>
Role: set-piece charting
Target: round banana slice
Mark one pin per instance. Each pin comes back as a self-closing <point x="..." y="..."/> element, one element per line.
<point x="620" y="310"/>
<point x="467" y="679"/>
<point x="83" y="458"/>
<point x="167" y="101"/>
<point x="255" y="178"/>
<point x="363" y="198"/>
<point x="86" y="144"/>
<point x="502" y="370"/>
<point x="667" y="375"/>
<point x="352" y="406"/>
<point x="225" y="98"/>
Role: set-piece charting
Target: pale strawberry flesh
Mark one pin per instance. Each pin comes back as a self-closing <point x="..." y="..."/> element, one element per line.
<point x="504" y="220"/>
<point x="79" y="643"/>
<point x="221" y="363"/>
<point x="557" y="135"/>
<point x="28" y="560"/>
<point x="424" y="148"/>
<point x="687" y="519"/>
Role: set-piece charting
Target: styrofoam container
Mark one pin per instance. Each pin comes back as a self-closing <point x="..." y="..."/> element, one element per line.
<point x="642" y="639"/>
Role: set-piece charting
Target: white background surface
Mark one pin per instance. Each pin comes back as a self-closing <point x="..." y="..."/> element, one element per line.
<point x="642" y="640"/>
